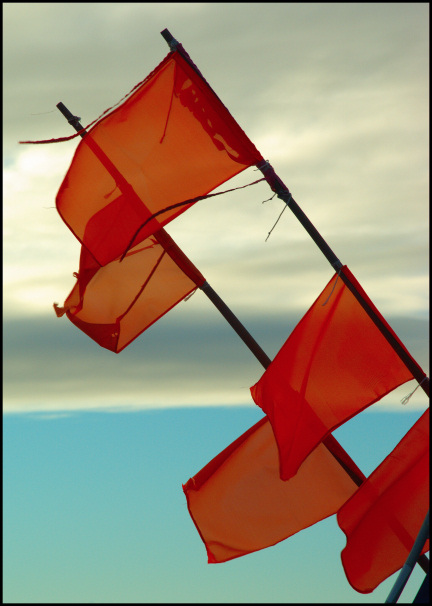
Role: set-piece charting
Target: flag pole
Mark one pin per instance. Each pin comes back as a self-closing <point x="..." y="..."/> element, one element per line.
<point x="282" y="191"/>
<point x="330" y="442"/>
<point x="284" y="194"/>
<point x="407" y="568"/>
<point x="277" y="185"/>
<point x="161" y="234"/>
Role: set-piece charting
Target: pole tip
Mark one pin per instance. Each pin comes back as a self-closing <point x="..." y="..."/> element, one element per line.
<point x="171" y="41"/>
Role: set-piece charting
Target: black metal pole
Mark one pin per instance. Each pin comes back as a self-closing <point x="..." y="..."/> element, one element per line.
<point x="284" y="194"/>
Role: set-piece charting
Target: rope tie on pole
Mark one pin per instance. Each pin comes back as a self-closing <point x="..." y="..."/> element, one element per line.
<point x="42" y="113"/>
<point x="406" y="398"/>
<point x="332" y="290"/>
<point x="190" y="295"/>
<point x="262" y="165"/>
<point x="268" y="199"/>
<point x="277" y="220"/>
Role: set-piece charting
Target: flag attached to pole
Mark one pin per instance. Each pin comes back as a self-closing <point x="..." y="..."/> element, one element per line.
<point x="335" y="363"/>
<point x="382" y="519"/>
<point x="170" y="141"/>
<point x="239" y="504"/>
<point x="115" y="303"/>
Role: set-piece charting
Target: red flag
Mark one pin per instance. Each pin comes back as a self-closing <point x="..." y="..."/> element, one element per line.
<point x="239" y="504"/>
<point x="172" y="140"/>
<point x="115" y="303"/>
<point x="382" y="519"/>
<point x="335" y="363"/>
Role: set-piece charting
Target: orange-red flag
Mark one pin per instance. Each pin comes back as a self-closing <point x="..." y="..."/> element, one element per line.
<point x="115" y="303"/>
<point x="334" y="364"/>
<point x="382" y="519"/>
<point x="239" y="504"/>
<point x="172" y="140"/>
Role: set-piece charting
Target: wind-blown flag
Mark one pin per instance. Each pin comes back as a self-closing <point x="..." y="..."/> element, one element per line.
<point x="239" y="504"/>
<point x="382" y="519"/>
<point x="115" y="303"/>
<point x="335" y="363"/>
<point x="170" y="141"/>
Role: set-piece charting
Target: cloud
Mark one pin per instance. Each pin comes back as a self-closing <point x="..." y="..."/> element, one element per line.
<point x="188" y="358"/>
<point x="340" y="111"/>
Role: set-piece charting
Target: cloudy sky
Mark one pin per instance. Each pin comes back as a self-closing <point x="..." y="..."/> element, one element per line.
<point x="335" y="96"/>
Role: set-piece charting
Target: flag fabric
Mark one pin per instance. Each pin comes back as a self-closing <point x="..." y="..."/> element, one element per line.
<point x="239" y="504"/>
<point x="383" y="518"/>
<point x="115" y="303"/>
<point x="170" y="141"/>
<point x="335" y="363"/>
